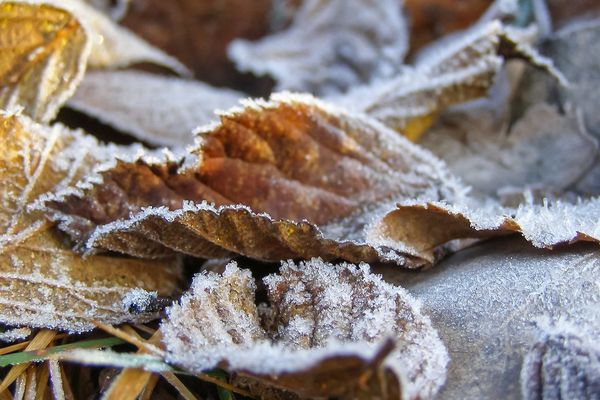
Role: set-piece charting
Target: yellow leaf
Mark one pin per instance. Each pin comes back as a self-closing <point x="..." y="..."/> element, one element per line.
<point x="45" y="284"/>
<point x="43" y="54"/>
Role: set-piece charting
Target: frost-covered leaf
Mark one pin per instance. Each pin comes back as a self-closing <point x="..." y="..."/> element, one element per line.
<point x="45" y="284"/>
<point x="198" y="32"/>
<point x="490" y="302"/>
<point x="574" y="50"/>
<point x="43" y="54"/>
<point x="543" y="149"/>
<point x="153" y="108"/>
<point x="426" y="226"/>
<point x="330" y="46"/>
<point x="288" y="178"/>
<point x="327" y="331"/>
<point x="461" y="70"/>
<point x="562" y="365"/>
<point x="114" y="46"/>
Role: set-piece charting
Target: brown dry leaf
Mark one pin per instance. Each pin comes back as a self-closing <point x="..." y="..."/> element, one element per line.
<point x="153" y="108"/>
<point x="428" y="225"/>
<point x="330" y="46"/>
<point x="288" y="178"/>
<point x="450" y="73"/>
<point x="114" y="46"/>
<point x="327" y="331"/>
<point x="44" y="51"/>
<point x="45" y="284"/>
<point x="198" y="32"/>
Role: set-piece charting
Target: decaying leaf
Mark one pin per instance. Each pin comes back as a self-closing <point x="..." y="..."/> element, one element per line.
<point x="114" y="46"/>
<point x="45" y="284"/>
<point x="329" y="46"/>
<point x="463" y="70"/>
<point x="490" y="302"/>
<point x="198" y="32"/>
<point x="328" y="331"/>
<point x="562" y="365"/>
<point x="43" y="55"/>
<point x="153" y="108"/>
<point x="427" y="226"/>
<point x="543" y="149"/>
<point x="288" y="178"/>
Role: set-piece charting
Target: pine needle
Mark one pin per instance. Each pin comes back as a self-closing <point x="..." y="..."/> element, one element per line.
<point x="133" y="339"/>
<point x="20" y="346"/>
<point x="179" y="386"/>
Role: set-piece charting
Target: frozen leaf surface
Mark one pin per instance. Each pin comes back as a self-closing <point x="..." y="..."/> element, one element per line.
<point x="153" y="108"/>
<point x="490" y="303"/>
<point x="288" y="178"/>
<point x="327" y="331"/>
<point x="543" y="149"/>
<point x="114" y="46"/>
<point x="43" y="54"/>
<point x="459" y="71"/>
<point x="43" y="283"/>
<point x="545" y="226"/>
<point x="330" y="46"/>
<point x="563" y="364"/>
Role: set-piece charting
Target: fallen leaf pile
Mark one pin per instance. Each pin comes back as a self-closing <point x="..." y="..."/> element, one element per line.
<point x="350" y="149"/>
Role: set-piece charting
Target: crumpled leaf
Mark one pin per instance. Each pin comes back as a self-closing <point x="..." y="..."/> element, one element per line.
<point x="561" y="365"/>
<point x="330" y="46"/>
<point x="114" y="46"/>
<point x="287" y="179"/>
<point x="45" y="284"/>
<point x="428" y="225"/>
<point x="462" y="70"/>
<point x="574" y="49"/>
<point x="543" y="149"/>
<point x="491" y="301"/>
<point x="198" y="32"/>
<point x="328" y="331"/>
<point x="43" y="57"/>
<point x="159" y="110"/>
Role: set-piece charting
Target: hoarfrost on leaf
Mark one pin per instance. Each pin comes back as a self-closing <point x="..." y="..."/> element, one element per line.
<point x="43" y="282"/>
<point x="43" y="57"/>
<point x="563" y="364"/>
<point x="288" y="178"/>
<point x="330" y="46"/>
<point x="325" y="329"/>
<point x="465" y="69"/>
<point x="489" y="303"/>
<point x="156" y="109"/>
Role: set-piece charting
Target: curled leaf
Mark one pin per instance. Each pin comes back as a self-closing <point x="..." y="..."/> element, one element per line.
<point x="464" y="69"/>
<point x="45" y="284"/>
<point x="430" y="225"/>
<point x="489" y="303"/>
<point x="330" y="46"/>
<point x="289" y="178"/>
<point x="159" y="110"/>
<point x="42" y="58"/>
<point x="328" y="331"/>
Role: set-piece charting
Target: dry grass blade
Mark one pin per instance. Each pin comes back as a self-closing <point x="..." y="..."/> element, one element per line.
<point x="130" y="383"/>
<point x="132" y="338"/>
<point x="179" y="386"/>
<point x="22" y="345"/>
<point x="42" y="384"/>
<point x="149" y="389"/>
<point x="43" y="338"/>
